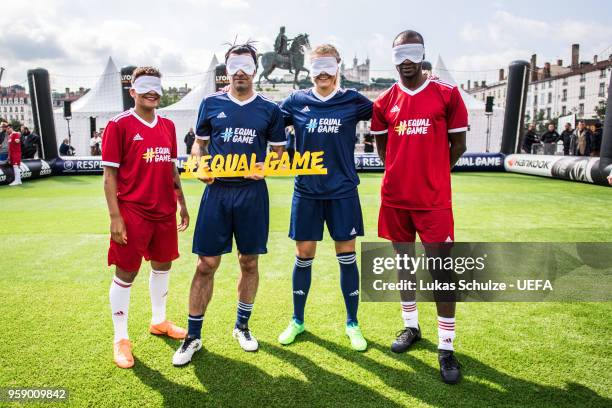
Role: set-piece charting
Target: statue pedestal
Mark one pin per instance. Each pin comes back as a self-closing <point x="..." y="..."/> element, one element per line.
<point x="278" y="93"/>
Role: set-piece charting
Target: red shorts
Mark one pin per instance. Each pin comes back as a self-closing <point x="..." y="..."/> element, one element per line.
<point x="156" y="240"/>
<point x="15" y="158"/>
<point x="400" y="225"/>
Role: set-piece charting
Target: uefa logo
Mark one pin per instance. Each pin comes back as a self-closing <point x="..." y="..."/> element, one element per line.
<point x="68" y="165"/>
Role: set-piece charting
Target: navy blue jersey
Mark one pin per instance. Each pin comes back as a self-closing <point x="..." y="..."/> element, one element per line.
<point x="327" y="124"/>
<point x="240" y="127"/>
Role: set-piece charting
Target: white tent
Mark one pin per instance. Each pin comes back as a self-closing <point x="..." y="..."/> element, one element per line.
<point x="184" y="113"/>
<point x="103" y="101"/>
<point x="477" y="134"/>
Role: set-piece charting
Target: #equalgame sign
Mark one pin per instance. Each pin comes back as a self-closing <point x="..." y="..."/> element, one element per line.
<point x="240" y="165"/>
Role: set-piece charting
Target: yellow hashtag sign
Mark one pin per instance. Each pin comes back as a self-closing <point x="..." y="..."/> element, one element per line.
<point x="149" y="155"/>
<point x="240" y="165"/>
<point x="401" y="127"/>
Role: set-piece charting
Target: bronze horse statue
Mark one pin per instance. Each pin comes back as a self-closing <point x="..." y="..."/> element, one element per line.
<point x="295" y="59"/>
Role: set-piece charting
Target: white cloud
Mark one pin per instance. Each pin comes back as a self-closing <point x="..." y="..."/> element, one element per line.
<point x="505" y="29"/>
<point x="507" y="37"/>
<point x="73" y="39"/>
<point x="234" y="4"/>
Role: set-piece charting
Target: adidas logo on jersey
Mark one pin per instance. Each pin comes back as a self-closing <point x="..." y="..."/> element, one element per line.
<point x="137" y="137"/>
<point x="353" y="231"/>
<point x="305" y="109"/>
<point x="395" y="108"/>
<point x="299" y="292"/>
<point x="222" y="115"/>
<point x="449" y="239"/>
<point x="355" y="293"/>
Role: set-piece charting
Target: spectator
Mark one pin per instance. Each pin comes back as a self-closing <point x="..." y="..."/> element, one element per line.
<point x="566" y="137"/>
<point x="65" y="149"/>
<point x="530" y="138"/>
<point x="189" y="140"/>
<point x="368" y="143"/>
<point x="14" y="148"/>
<point x="3" y="142"/>
<point x="583" y="140"/>
<point x="30" y="143"/>
<point x="2" y="131"/>
<point x="95" y="144"/>
<point x="596" y="140"/>
<point x="550" y="139"/>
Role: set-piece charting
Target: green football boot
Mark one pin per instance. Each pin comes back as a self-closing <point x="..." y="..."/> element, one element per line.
<point x="290" y="333"/>
<point x="354" y="334"/>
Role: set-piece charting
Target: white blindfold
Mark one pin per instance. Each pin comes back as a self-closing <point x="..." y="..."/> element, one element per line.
<point x="243" y="63"/>
<point x="147" y="83"/>
<point x="412" y="52"/>
<point x="329" y="65"/>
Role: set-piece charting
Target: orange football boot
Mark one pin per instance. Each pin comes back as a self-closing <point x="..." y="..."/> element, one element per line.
<point x="122" y="351"/>
<point x="167" y="328"/>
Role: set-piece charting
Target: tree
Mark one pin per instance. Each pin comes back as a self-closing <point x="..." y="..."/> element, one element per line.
<point x="15" y="124"/>
<point x="600" y="110"/>
<point x="168" y="99"/>
<point x="541" y="125"/>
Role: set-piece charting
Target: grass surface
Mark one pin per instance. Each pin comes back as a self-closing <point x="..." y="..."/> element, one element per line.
<point x="57" y="329"/>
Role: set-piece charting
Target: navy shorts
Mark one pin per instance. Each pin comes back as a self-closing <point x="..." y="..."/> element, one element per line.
<point x="232" y="211"/>
<point x="342" y="216"/>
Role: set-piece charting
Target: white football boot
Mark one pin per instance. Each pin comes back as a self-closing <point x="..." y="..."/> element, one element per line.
<point x="185" y="353"/>
<point x="245" y="338"/>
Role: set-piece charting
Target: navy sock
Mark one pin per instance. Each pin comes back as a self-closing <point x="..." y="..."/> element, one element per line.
<point x="302" y="275"/>
<point x="194" y="326"/>
<point x="243" y="313"/>
<point x="349" y="283"/>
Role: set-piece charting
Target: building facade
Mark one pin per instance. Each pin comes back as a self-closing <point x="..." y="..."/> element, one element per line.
<point x="15" y="105"/>
<point x="58" y="98"/>
<point x="358" y="72"/>
<point x="497" y="90"/>
<point x="556" y="90"/>
<point x="579" y="91"/>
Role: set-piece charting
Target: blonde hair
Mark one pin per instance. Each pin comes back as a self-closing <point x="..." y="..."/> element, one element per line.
<point x="325" y="50"/>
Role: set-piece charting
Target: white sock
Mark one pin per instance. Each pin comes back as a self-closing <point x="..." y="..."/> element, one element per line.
<point x="119" y="296"/>
<point x="17" y="172"/>
<point x="158" y="289"/>
<point x="446" y="333"/>
<point x="410" y="314"/>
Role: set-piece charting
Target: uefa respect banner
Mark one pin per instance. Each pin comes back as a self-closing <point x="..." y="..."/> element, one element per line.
<point x="487" y="272"/>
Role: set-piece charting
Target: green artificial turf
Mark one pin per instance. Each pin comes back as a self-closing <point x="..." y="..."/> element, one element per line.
<point x="57" y="331"/>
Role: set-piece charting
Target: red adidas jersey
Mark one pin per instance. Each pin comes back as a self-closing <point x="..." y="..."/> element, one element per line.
<point x="417" y="164"/>
<point x="14" y="148"/>
<point x="145" y="155"/>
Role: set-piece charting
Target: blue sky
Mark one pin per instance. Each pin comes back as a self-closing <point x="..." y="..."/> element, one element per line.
<point x="74" y="39"/>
